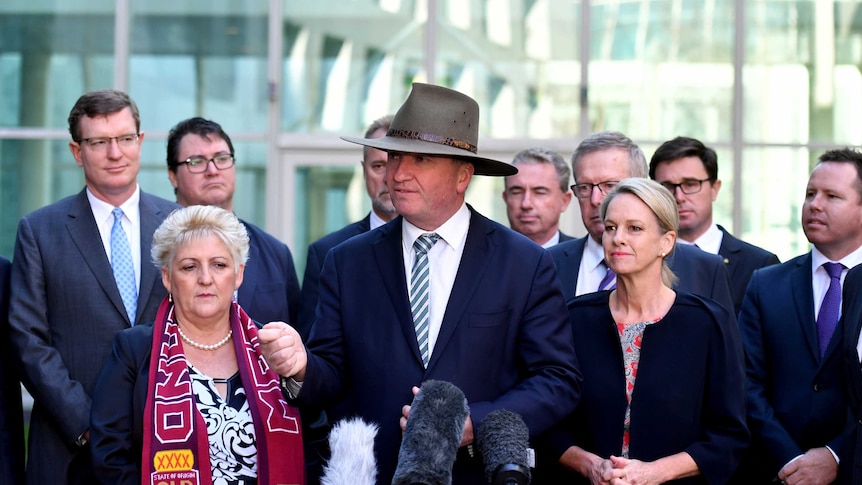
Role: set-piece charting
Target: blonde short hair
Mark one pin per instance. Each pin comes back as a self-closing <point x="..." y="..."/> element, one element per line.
<point x="194" y="222"/>
<point x="660" y="201"/>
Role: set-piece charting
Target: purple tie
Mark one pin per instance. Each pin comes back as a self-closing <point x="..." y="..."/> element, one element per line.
<point x="827" y="319"/>
<point x="609" y="282"/>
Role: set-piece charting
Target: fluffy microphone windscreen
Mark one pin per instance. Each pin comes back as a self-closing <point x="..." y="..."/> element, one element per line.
<point x="503" y="438"/>
<point x="351" y="462"/>
<point x="432" y="436"/>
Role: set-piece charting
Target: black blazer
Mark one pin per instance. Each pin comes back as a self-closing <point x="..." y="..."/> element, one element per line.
<point x="699" y="272"/>
<point x="851" y="460"/>
<point x="11" y="413"/>
<point x="313" y="264"/>
<point x="689" y="394"/>
<point x="270" y="288"/>
<point x="741" y="259"/>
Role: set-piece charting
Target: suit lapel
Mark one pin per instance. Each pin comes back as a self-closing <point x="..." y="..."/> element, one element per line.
<point x="390" y="262"/>
<point x="803" y="298"/>
<point x="727" y="251"/>
<point x="478" y="251"/>
<point x="151" y="218"/>
<point x="85" y="235"/>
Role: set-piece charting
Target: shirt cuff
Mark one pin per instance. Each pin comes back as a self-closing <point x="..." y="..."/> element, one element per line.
<point x="834" y="455"/>
<point x="291" y="386"/>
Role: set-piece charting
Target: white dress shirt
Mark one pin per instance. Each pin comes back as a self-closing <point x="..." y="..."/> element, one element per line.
<point x="592" y="270"/>
<point x="443" y="260"/>
<point x="709" y="241"/>
<point x="131" y="224"/>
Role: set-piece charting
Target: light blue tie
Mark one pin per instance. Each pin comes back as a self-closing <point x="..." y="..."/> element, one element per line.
<point x="121" y="264"/>
<point x="420" y="281"/>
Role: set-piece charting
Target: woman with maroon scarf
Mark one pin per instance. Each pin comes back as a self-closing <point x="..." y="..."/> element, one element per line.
<point x="190" y="399"/>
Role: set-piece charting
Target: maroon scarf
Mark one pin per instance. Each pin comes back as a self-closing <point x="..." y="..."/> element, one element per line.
<point x="176" y="449"/>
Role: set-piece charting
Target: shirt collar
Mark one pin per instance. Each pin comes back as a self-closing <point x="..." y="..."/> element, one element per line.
<point x="849" y="261"/>
<point x="555" y="239"/>
<point x="453" y="231"/>
<point x="102" y="211"/>
<point x="375" y="221"/>
<point x="709" y="241"/>
<point x="594" y="254"/>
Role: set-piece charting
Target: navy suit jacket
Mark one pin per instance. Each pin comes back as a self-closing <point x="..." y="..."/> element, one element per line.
<point x="313" y="264"/>
<point x="690" y="389"/>
<point x="699" y="272"/>
<point x="565" y="237"/>
<point x="741" y="259"/>
<point x="505" y="338"/>
<point x="11" y="413"/>
<point x="63" y="313"/>
<point x="851" y="462"/>
<point x="795" y="399"/>
<point x="270" y="289"/>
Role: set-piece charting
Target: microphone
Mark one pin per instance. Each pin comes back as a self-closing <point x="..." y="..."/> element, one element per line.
<point x="502" y="438"/>
<point x="351" y="461"/>
<point x="432" y="436"/>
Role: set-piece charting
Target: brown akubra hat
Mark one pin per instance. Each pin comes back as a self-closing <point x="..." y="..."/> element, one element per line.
<point x="437" y="121"/>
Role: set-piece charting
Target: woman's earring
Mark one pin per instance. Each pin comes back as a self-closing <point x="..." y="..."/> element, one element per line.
<point x="170" y="297"/>
<point x="662" y="254"/>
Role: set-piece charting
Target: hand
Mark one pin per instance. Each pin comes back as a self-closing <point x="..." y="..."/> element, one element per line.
<point x="283" y="350"/>
<point x="466" y="436"/>
<point x="634" y="472"/>
<point x="817" y="466"/>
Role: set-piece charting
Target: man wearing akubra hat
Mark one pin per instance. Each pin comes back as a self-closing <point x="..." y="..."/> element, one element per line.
<point x="496" y="326"/>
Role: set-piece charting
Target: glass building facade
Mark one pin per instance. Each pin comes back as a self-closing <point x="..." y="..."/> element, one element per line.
<point x="770" y="84"/>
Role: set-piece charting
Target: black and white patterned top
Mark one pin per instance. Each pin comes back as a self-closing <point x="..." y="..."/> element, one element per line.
<point x="230" y="431"/>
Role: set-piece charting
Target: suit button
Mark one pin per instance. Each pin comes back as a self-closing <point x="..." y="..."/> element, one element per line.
<point x="817" y="387"/>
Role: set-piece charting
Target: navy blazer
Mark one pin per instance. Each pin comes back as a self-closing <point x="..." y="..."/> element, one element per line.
<point x="795" y="400"/>
<point x="63" y="314"/>
<point x="565" y="237"/>
<point x="313" y="264"/>
<point x="741" y="259"/>
<point x="851" y="462"/>
<point x="11" y="412"/>
<point x="699" y="272"/>
<point x="270" y="289"/>
<point x="505" y="338"/>
<point x="689" y="394"/>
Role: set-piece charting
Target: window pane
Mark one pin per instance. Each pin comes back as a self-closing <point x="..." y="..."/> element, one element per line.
<point x="662" y="68"/>
<point x="774" y="185"/>
<point x="801" y="78"/>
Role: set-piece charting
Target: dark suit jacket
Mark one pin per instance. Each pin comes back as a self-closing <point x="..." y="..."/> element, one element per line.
<point x="565" y="237"/>
<point x="314" y="262"/>
<point x="699" y="272"/>
<point x="505" y="339"/>
<point x="270" y="289"/>
<point x="851" y="462"/>
<point x="741" y="259"/>
<point x="795" y="400"/>
<point x="63" y="315"/>
<point x="689" y="393"/>
<point x="11" y="413"/>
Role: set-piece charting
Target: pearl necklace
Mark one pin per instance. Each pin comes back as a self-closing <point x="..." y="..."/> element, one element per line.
<point x="196" y="345"/>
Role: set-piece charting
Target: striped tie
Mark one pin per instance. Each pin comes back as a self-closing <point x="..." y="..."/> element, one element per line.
<point x="609" y="282"/>
<point x="121" y="264"/>
<point x="420" y="281"/>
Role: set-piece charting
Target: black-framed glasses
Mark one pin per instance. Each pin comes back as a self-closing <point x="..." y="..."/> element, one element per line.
<point x="584" y="191"/>
<point x="687" y="186"/>
<point x="200" y="164"/>
<point x="101" y="143"/>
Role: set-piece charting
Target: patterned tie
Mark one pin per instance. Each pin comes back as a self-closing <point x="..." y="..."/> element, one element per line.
<point x="121" y="263"/>
<point x="420" y="281"/>
<point x="609" y="282"/>
<point x="827" y="319"/>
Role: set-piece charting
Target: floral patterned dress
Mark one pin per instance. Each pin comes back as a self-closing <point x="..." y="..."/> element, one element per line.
<point x="631" y="338"/>
<point x="230" y="430"/>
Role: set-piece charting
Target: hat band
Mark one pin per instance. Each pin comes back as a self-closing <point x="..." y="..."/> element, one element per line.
<point x="440" y="140"/>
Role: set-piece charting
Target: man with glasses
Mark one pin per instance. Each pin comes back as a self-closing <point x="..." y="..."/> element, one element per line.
<point x="538" y="195"/>
<point x="82" y="273"/>
<point x="690" y="171"/>
<point x="201" y="168"/>
<point x="598" y="164"/>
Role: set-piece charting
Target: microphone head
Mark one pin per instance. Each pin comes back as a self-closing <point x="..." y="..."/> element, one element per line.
<point x="432" y="436"/>
<point x="503" y="438"/>
<point x="351" y="462"/>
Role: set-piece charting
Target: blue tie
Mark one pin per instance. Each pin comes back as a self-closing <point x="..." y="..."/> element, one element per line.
<point x="420" y="282"/>
<point x="609" y="282"/>
<point x="121" y="264"/>
<point x="827" y="319"/>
